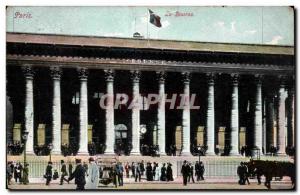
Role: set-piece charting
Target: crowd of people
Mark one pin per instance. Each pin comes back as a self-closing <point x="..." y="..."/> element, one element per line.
<point x="87" y="176"/>
<point x="243" y="173"/>
<point x="187" y="171"/>
<point x="18" y="172"/>
<point x="15" y="148"/>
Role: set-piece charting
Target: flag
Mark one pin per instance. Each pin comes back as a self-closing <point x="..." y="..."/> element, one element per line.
<point x="154" y="19"/>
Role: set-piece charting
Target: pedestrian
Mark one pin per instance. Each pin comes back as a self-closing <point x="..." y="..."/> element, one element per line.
<point x="114" y="173"/>
<point x="142" y="167"/>
<point x="149" y="174"/>
<point x="169" y="172"/>
<point x="153" y="170"/>
<point x="246" y="173"/>
<point x="127" y="167"/>
<point x="120" y="171"/>
<point x="185" y="171"/>
<point x="70" y="168"/>
<point x="48" y="174"/>
<point x="79" y="175"/>
<point x="138" y="172"/>
<point x="25" y="174"/>
<point x="93" y="175"/>
<point x="191" y="175"/>
<point x="18" y="172"/>
<point x="157" y="172"/>
<point x="9" y="172"/>
<point x="197" y="170"/>
<point x="133" y="169"/>
<point x="240" y="174"/>
<point x="63" y="172"/>
<point x="201" y="170"/>
<point x="86" y="168"/>
<point x="163" y="172"/>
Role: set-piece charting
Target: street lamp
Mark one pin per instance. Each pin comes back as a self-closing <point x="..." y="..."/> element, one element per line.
<point x="25" y="137"/>
<point x="50" y="147"/>
<point x="199" y="150"/>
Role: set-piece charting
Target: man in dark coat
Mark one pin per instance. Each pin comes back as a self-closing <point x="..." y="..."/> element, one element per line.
<point x="201" y="170"/>
<point x="79" y="175"/>
<point x="149" y="174"/>
<point x="70" y="168"/>
<point x="240" y="173"/>
<point x="18" y="172"/>
<point x="191" y="175"/>
<point x="169" y="172"/>
<point x="48" y="174"/>
<point x="63" y="172"/>
<point x="163" y="173"/>
<point x="197" y="170"/>
<point x="185" y="171"/>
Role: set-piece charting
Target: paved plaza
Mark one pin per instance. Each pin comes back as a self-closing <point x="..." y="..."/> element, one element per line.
<point x="129" y="184"/>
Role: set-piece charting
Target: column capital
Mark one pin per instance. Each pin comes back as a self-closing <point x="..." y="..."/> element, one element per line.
<point x="282" y="80"/>
<point x="210" y="78"/>
<point x="186" y="77"/>
<point x="161" y="76"/>
<point x="82" y="73"/>
<point x="135" y="76"/>
<point x="109" y="75"/>
<point x="28" y="72"/>
<point x="258" y="79"/>
<point x="56" y="72"/>
<point x="235" y="78"/>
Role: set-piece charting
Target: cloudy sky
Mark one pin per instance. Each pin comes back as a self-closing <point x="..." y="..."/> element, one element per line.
<point x="253" y="25"/>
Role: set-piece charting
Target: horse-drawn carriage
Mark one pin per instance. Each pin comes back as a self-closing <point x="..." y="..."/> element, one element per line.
<point x="270" y="169"/>
<point x="106" y="170"/>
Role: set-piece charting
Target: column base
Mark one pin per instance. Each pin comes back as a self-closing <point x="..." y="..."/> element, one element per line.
<point x="83" y="153"/>
<point x="134" y="153"/>
<point x="55" y="152"/>
<point x="210" y="153"/>
<point x="185" y="153"/>
<point x="233" y="153"/>
<point x="31" y="153"/>
<point x="281" y="154"/>
<point x="109" y="153"/>
<point x="163" y="154"/>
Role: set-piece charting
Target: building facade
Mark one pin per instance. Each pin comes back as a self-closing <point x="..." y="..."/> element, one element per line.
<point x="246" y="94"/>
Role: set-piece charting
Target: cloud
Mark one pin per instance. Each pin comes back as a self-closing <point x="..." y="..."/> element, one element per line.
<point x="250" y="32"/>
<point x="275" y="40"/>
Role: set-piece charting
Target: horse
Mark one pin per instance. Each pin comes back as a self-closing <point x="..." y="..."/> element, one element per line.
<point x="271" y="169"/>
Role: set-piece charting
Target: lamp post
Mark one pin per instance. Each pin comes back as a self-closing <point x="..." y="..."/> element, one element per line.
<point x="50" y="147"/>
<point x="199" y="150"/>
<point x="25" y="137"/>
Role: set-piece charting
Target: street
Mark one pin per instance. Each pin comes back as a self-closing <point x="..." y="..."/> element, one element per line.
<point x="144" y="185"/>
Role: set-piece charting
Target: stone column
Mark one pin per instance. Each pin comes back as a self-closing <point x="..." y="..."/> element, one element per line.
<point x="270" y="121"/>
<point x="210" y="122"/>
<point x="234" y="124"/>
<point x="83" y="112"/>
<point x="291" y="117"/>
<point x="186" y="115"/>
<point x="135" y="117"/>
<point x="109" y="114"/>
<point x="56" y="110"/>
<point x="161" y="122"/>
<point x="258" y="114"/>
<point x="29" y="117"/>
<point x="281" y="118"/>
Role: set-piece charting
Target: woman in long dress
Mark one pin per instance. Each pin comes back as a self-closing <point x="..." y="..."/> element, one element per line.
<point x="157" y="172"/>
<point x="93" y="175"/>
